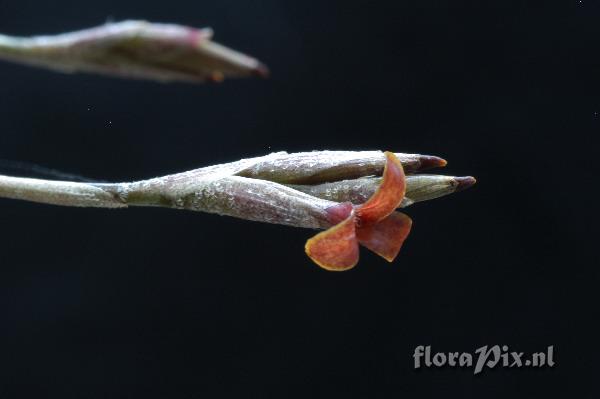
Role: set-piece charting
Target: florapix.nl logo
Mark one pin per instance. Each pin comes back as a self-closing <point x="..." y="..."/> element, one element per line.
<point x="482" y="357"/>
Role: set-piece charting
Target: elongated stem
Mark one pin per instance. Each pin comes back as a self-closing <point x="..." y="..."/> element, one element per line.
<point x="57" y="192"/>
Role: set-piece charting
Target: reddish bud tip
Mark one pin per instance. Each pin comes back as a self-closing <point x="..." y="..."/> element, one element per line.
<point x="464" y="182"/>
<point x="430" y="162"/>
<point x="262" y="71"/>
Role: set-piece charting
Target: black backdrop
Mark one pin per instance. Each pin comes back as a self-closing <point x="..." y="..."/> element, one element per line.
<point x="144" y="302"/>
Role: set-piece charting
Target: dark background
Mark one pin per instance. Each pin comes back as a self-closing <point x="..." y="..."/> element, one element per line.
<point x="154" y="302"/>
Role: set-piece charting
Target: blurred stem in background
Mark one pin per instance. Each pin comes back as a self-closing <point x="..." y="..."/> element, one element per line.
<point x="135" y="49"/>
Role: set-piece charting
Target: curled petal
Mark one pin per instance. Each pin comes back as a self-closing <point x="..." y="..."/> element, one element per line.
<point x="374" y="224"/>
<point x="336" y="248"/>
<point x="388" y="196"/>
<point x="386" y="237"/>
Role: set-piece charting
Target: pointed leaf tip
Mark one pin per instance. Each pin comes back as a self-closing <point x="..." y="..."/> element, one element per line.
<point x="430" y="162"/>
<point x="464" y="182"/>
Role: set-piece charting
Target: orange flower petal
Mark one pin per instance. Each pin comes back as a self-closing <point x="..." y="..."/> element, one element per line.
<point x="386" y="237"/>
<point x="374" y="224"/>
<point x="336" y="248"/>
<point x="388" y="196"/>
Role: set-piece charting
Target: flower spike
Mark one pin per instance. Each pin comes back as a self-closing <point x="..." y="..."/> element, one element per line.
<point x="352" y="195"/>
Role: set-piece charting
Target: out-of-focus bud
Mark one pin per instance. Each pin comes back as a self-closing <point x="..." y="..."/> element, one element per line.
<point x="135" y="49"/>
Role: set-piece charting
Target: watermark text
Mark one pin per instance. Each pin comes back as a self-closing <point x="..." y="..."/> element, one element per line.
<point x="482" y="357"/>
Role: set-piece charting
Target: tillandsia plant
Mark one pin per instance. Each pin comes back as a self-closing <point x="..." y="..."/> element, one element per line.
<point x="134" y="49"/>
<point x="351" y="195"/>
